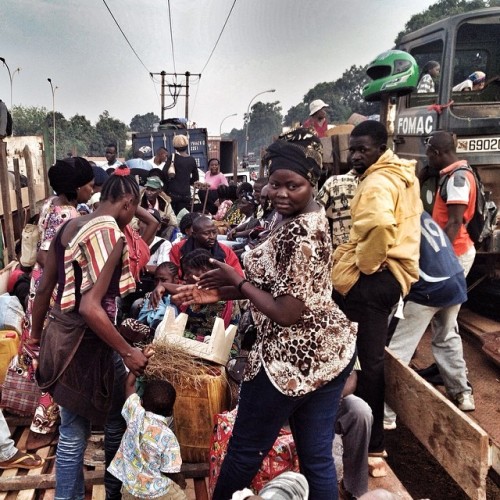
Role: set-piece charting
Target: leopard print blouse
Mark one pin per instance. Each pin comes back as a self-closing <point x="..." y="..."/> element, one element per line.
<point x="296" y="260"/>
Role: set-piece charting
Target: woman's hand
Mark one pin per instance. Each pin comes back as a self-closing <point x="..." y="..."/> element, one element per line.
<point x="224" y="275"/>
<point x="231" y="235"/>
<point x="191" y="294"/>
<point x="136" y="361"/>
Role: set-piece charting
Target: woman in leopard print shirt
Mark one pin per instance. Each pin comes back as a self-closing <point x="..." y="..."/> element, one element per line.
<point x="304" y="347"/>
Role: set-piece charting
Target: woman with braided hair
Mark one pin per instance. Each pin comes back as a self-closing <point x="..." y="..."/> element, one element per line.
<point x="304" y="348"/>
<point x="81" y="351"/>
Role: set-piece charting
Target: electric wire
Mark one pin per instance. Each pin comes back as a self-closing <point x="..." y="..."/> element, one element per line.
<point x="125" y="36"/>
<point x="171" y="35"/>
<point x="219" y="37"/>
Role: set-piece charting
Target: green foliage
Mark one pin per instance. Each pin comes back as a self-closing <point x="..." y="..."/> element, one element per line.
<point x="143" y="123"/>
<point x="441" y="10"/>
<point x="108" y="131"/>
<point x="29" y="120"/>
<point x="264" y="123"/>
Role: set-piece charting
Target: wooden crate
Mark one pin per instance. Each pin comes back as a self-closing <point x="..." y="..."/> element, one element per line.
<point x="194" y="411"/>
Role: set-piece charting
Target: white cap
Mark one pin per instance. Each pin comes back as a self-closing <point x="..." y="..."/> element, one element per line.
<point x="316" y="105"/>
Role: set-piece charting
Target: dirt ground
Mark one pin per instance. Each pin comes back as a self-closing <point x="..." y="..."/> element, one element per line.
<point x="420" y="473"/>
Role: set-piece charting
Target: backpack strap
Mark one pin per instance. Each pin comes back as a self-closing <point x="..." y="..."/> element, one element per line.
<point x="444" y="180"/>
<point x="157" y="245"/>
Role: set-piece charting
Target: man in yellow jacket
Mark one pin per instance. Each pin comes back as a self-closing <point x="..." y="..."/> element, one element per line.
<point x="380" y="262"/>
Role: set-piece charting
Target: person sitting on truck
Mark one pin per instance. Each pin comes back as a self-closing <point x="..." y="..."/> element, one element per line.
<point x="214" y="176"/>
<point x="159" y="159"/>
<point x="429" y="73"/>
<point x="186" y="174"/>
<point x="475" y="81"/>
<point x="111" y="161"/>
<point x="153" y="198"/>
<point x="204" y="235"/>
<point x="318" y="119"/>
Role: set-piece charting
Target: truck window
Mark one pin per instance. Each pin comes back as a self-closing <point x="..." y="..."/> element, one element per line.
<point x="432" y="51"/>
<point x="477" y="49"/>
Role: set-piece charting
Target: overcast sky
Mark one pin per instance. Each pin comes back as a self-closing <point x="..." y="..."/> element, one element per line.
<point x="288" y="45"/>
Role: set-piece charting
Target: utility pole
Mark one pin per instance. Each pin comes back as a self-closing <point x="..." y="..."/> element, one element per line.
<point x="175" y="90"/>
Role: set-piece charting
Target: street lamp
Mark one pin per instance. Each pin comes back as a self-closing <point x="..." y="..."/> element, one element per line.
<point x="53" y="115"/>
<point x="248" y="118"/>
<point x="11" y="77"/>
<point x="223" y="120"/>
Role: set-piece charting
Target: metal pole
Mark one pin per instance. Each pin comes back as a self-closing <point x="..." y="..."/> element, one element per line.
<point x="53" y="116"/>
<point x="162" y="96"/>
<point x="11" y="76"/>
<point x="223" y="120"/>
<point x="248" y="117"/>
<point x="187" y="95"/>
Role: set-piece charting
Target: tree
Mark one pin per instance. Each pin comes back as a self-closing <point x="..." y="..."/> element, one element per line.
<point x="143" y="123"/>
<point x="108" y="131"/>
<point x="264" y="123"/>
<point x="29" y="120"/>
<point x="441" y="10"/>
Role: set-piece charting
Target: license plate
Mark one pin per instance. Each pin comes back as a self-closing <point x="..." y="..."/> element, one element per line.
<point x="478" y="144"/>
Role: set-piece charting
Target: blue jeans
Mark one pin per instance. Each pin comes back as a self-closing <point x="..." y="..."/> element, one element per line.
<point x="262" y="411"/>
<point x="74" y="432"/>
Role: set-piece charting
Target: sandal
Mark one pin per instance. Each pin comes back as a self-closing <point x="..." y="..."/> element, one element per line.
<point x="23" y="461"/>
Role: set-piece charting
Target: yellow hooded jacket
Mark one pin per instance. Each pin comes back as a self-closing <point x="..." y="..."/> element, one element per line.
<point x="385" y="225"/>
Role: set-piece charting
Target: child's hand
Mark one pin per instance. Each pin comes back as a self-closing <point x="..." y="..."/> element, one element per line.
<point x="156" y="296"/>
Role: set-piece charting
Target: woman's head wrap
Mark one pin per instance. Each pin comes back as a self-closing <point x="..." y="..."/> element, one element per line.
<point x="298" y="150"/>
<point x="67" y="175"/>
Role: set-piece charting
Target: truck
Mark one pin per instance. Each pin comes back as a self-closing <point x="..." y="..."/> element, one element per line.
<point x="461" y="44"/>
<point x="149" y="142"/>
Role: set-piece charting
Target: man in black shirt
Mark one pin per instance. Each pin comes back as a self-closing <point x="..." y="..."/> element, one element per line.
<point x="183" y="175"/>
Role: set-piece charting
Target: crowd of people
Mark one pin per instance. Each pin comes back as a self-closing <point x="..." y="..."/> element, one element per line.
<point x="328" y="279"/>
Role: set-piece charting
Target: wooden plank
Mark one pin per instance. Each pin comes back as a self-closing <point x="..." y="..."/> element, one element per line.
<point x="45" y="481"/>
<point x="31" y="178"/>
<point x="9" y="250"/>
<point x="19" y="198"/>
<point x="454" y="439"/>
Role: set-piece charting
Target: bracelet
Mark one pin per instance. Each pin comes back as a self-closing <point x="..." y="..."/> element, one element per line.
<point x="241" y="283"/>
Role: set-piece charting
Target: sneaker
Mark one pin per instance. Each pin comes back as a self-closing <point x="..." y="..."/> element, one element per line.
<point x="377" y="467"/>
<point x="389" y="425"/>
<point x="465" y="402"/>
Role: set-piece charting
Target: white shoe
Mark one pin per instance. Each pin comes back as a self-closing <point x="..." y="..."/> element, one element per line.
<point x="389" y="425"/>
<point x="465" y="402"/>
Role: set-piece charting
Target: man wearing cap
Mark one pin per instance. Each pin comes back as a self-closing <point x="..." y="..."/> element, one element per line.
<point x="153" y="198"/>
<point x="317" y="117"/>
<point x="182" y="176"/>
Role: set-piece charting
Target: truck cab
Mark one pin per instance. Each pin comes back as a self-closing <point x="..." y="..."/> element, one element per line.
<point x="462" y="44"/>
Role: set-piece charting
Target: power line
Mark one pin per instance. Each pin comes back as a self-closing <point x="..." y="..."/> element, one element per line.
<point x="125" y="36"/>
<point x="171" y="35"/>
<point x="222" y="31"/>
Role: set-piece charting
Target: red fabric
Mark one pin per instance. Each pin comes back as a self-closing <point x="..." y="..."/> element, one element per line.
<point x="282" y="457"/>
<point x="320" y="129"/>
<point x="13" y="277"/>
<point x="138" y="250"/>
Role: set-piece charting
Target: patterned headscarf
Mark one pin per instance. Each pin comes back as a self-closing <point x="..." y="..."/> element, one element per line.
<point x="298" y="150"/>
